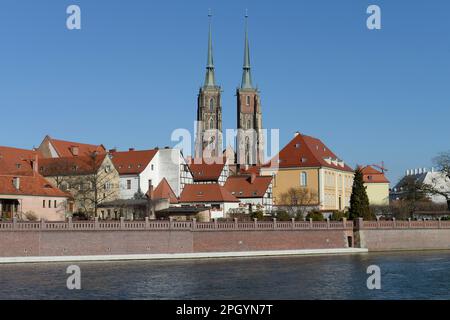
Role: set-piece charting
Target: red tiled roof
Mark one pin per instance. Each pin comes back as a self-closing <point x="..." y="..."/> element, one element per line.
<point x="243" y="187"/>
<point x="206" y="193"/>
<point x="306" y="151"/>
<point x="164" y="191"/>
<point x="29" y="185"/>
<point x="70" y="166"/>
<point x="17" y="161"/>
<point x="132" y="162"/>
<point x="207" y="170"/>
<point x="64" y="148"/>
<point x="372" y="175"/>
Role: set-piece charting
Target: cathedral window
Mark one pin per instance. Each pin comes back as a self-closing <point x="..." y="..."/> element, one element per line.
<point x="211" y="104"/>
<point x="248" y="100"/>
<point x="211" y="124"/>
<point x="249" y="125"/>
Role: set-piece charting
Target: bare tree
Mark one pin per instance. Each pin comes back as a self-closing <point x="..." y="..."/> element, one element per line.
<point x="440" y="183"/>
<point x="96" y="187"/>
<point x="298" y="201"/>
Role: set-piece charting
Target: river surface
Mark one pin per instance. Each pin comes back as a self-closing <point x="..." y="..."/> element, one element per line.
<point x="406" y="275"/>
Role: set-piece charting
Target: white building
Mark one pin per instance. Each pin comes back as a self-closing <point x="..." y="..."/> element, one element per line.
<point x="254" y="192"/>
<point x="433" y="178"/>
<point x="213" y="196"/>
<point x="139" y="170"/>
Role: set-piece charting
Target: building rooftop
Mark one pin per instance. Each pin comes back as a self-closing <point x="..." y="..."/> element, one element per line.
<point x="248" y="186"/>
<point x="132" y="161"/>
<point x="206" y="193"/>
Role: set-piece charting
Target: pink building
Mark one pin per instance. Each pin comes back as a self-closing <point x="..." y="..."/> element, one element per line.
<point x="24" y="193"/>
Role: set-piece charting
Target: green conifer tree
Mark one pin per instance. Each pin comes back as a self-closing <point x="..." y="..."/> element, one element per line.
<point x="359" y="201"/>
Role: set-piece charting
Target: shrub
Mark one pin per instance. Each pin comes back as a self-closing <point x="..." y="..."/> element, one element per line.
<point x="282" y="216"/>
<point x="338" y="215"/>
<point x="315" y="216"/>
<point x="257" y="214"/>
<point x="30" y="216"/>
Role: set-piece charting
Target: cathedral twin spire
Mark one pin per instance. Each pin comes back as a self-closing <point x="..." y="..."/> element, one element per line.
<point x="246" y="70"/>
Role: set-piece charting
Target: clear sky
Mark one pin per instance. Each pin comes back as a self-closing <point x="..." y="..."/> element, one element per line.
<point x="132" y="74"/>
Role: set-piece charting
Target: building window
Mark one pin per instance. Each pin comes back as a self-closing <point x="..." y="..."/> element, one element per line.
<point x="303" y="179"/>
<point x="249" y="125"/>
<point x="149" y="183"/>
<point x="54" y="204"/>
<point x="43" y="203"/>
<point x="152" y="167"/>
<point x="211" y="104"/>
<point x="49" y="203"/>
<point x="128" y="184"/>
<point x="248" y="100"/>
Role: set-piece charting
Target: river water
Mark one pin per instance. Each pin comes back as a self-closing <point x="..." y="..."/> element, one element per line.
<point x="404" y="275"/>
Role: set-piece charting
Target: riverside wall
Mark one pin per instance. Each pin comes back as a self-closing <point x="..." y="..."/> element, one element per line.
<point x="402" y="235"/>
<point x="97" y="238"/>
<point x="25" y="239"/>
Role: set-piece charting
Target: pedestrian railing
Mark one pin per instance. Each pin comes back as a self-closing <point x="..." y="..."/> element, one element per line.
<point x="402" y="224"/>
<point x="97" y="225"/>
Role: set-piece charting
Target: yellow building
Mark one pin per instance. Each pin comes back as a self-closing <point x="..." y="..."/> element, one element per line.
<point x="377" y="186"/>
<point x="306" y="162"/>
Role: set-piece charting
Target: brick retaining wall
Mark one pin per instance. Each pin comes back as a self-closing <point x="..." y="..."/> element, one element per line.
<point x="153" y="237"/>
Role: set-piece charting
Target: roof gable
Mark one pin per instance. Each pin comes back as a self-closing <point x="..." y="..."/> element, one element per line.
<point x="132" y="162"/>
<point x="164" y="191"/>
<point x="248" y="186"/>
<point x="74" y="149"/>
<point x="306" y="151"/>
<point x="70" y="166"/>
<point x="206" y="193"/>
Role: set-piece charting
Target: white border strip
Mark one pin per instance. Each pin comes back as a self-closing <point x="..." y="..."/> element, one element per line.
<point x="198" y="255"/>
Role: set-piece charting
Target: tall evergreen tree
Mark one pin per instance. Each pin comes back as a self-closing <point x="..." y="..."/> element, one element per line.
<point x="359" y="201"/>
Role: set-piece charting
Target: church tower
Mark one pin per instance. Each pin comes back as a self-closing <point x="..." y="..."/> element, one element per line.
<point x="250" y="137"/>
<point x="208" y="142"/>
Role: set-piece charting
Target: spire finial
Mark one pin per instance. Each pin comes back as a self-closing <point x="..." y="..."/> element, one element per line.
<point x="209" y="79"/>
<point x="246" y="74"/>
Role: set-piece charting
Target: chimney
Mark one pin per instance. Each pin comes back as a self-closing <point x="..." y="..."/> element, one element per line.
<point x="113" y="150"/>
<point x="296" y="134"/>
<point x="131" y="149"/>
<point x="252" y="178"/>
<point x="34" y="164"/>
<point x="150" y="192"/>
<point x="16" y="183"/>
<point x="75" y="150"/>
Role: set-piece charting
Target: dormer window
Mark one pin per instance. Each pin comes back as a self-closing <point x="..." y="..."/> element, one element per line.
<point x="18" y="165"/>
<point x="304" y="160"/>
<point x="297" y="145"/>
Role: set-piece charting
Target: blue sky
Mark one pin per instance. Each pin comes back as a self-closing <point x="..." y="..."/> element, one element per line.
<point x="132" y="74"/>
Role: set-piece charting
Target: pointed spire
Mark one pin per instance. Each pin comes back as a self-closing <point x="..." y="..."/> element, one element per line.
<point x="209" y="78"/>
<point x="246" y="73"/>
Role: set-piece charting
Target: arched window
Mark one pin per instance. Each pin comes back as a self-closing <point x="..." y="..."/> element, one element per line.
<point x="248" y="100"/>
<point x="249" y="124"/>
<point x="211" y="104"/>
<point x="303" y="179"/>
<point x="211" y="124"/>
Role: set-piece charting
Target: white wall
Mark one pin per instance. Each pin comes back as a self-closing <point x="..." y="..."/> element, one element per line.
<point x="167" y="163"/>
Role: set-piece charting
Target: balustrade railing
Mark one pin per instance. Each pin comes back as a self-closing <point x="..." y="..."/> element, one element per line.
<point x="174" y="225"/>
